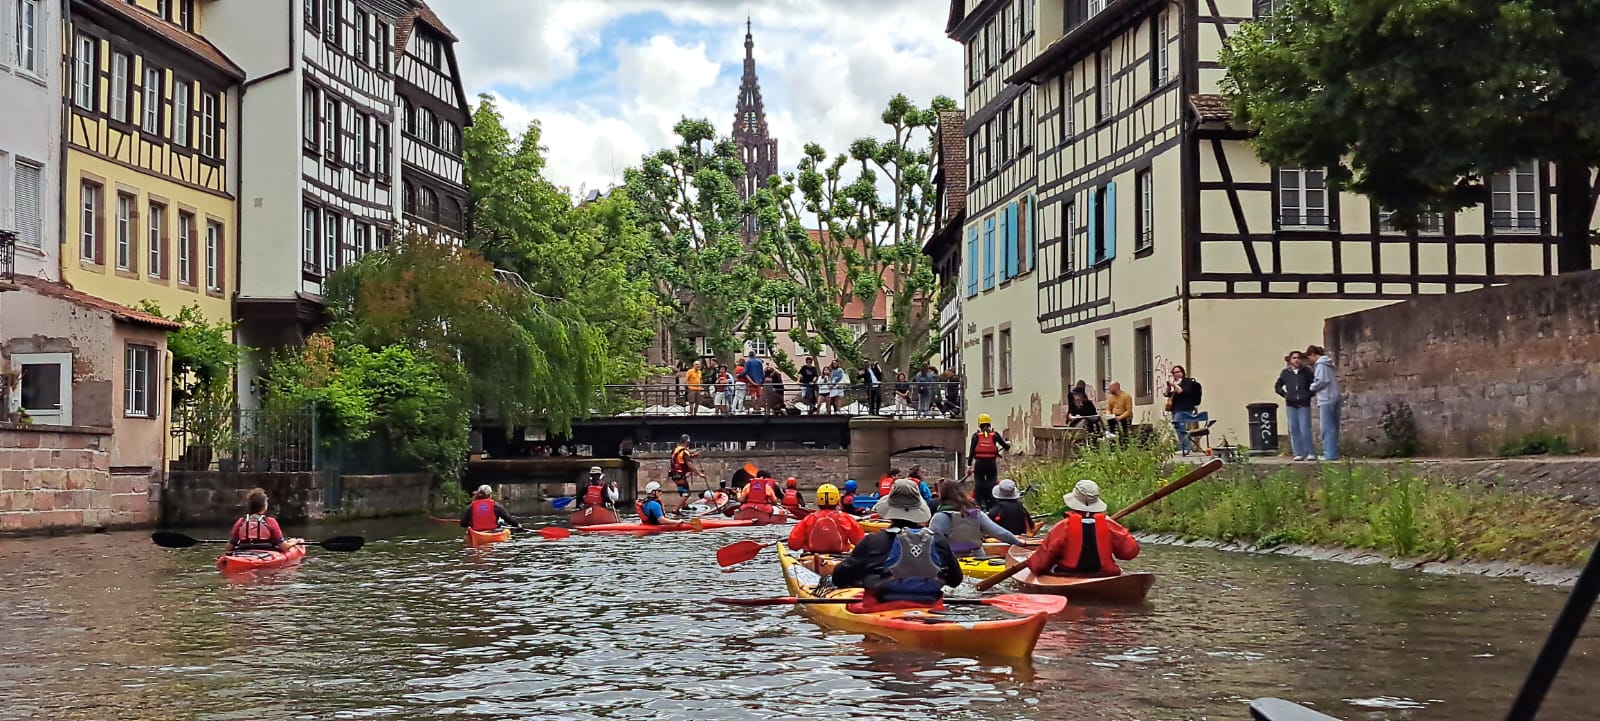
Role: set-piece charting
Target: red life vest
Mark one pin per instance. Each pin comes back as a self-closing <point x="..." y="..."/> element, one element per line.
<point x="1102" y="538"/>
<point x="885" y="484"/>
<point x="254" y="529"/>
<point x="826" y="532"/>
<point x="757" y="492"/>
<point x="987" y="447"/>
<point x="483" y="516"/>
<point x="791" y="498"/>
<point x="594" y="497"/>
<point x="680" y="460"/>
<point x="847" y="503"/>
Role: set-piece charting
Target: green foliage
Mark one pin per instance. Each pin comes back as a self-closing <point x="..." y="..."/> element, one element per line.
<point x="1415" y="102"/>
<point x="1538" y="444"/>
<point x="203" y="353"/>
<point x="1399" y="427"/>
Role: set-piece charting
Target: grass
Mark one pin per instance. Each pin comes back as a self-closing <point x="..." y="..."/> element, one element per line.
<point x="1389" y="508"/>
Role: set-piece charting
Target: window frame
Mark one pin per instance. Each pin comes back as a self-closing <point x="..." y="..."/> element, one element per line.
<point x="28" y="235"/>
<point x="120" y="101"/>
<point x="1301" y="192"/>
<point x="85" y="72"/>
<point x="138" y="383"/>
<point x="988" y="361"/>
<point x="185" y="255"/>
<point x="91" y="217"/>
<point x="331" y="233"/>
<point x="152" y="98"/>
<point x="1513" y="222"/>
<point x="42" y="416"/>
<point x="1144" y="362"/>
<point x="1103" y="360"/>
<point x="182" y="107"/>
<point x="1160" y="54"/>
<point x="126" y="247"/>
<point x="25" y="39"/>
<point x="155" y="239"/>
<point x="1145" y="213"/>
<point x="1005" y="356"/>
<point x="310" y="238"/>
<point x="209" y="103"/>
<point x="212" y="256"/>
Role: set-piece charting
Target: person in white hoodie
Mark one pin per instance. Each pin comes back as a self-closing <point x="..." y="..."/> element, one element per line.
<point x="1325" y="387"/>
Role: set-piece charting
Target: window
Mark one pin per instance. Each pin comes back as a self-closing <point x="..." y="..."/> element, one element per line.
<point x="1095" y="6"/>
<point x="89" y="223"/>
<point x="1069" y="370"/>
<point x="124" y="231"/>
<point x="454" y="218"/>
<point x="308" y="239"/>
<point x="1102" y="223"/>
<point x="1067" y="122"/>
<point x="330" y="129"/>
<point x="430" y="204"/>
<point x="310" y="103"/>
<point x="185" y="248"/>
<point x="428" y="127"/>
<point x="330" y="31"/>
<point x="208" y="125"/>
<point x="363" y="47"/>
<point x="382" y="39"/>
<point x="83" y="72"/>
<point x="1102" y="361"/>
<point x="408" y="197"/>
<point x="1144" y="364"/>
<point x="363" y="152"/>
<point x="972" y="261"/>
<point x="380" y="149"/>
<point x="46" y="387"/>
<point x="988" y="362"/>
<point x="409" y="111"/>
<point x="27" y="35"/>
<point x="138" y="385"/>
<point x="156" y="220"/>
<point x="153" y="77"/>
<point x="988" y="253"/>
<point x="1103" y="89"/>
<point x="1023" y="250"/>
<point x="180" y="112"/>
<point x="1514" y="198"/>
<point x="1005" y="359"/>
<point x="448" y="135"/>
<point x="214" y="257"/>
<point x="121" y="66"/>
<point x="1160" y="57"/>
<point x="1427" y="223"/>
<point x="785" y="309"/>
<point x="1147" y="211"/>
<point x="1302" y="198"/>
<point x="29" y="184"/>
<point x="186" y="15"/>
<point x="381" y="240"/>
<point x="330" y="241"/>
<point x="1265" y="8"/>
<point x="359" y="245"/>
<point x="1025" y="137"/>
<point x="1068" y="232"/>
<point x="757" y="346"/>
<point x="164" y="9"/>
<point x="431" y="52"/>
<point x="311" y="12"/>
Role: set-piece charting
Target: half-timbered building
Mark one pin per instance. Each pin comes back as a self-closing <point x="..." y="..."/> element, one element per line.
<point x="433" y="112"/>
<point x="1162" y="240"/>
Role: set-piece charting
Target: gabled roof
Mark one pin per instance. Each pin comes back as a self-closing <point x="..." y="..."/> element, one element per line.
<point x="1211" y="108"/>
<point x="958" y="8"/>
<point x="426" y="15"/>
<point x="78" y="297"/>
<point x="184" y="40"/>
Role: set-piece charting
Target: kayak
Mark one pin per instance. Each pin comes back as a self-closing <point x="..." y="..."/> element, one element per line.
<point x="591" y="516"/>
<point x="759" y="517"/>
<point x="870" y="526"/>
<point x="1126" y="589"/>
<point x="475" y="539"/>
<point x="798" y="513"/>
<point x="995" y="632"/>
<point x="979" y="569"/>
<point x="246" y="561"/>
<point x="643" y="528"/>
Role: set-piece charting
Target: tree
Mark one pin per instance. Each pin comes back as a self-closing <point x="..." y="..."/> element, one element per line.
<point x="876" y="206"/>
<point x="1415" y="103"/>
<point x="589" y="257"/>
<point x="686" y="199"/>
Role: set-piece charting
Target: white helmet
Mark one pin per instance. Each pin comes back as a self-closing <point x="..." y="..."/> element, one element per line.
<point x="707" y="495"/>
<point x="652" y="487"/>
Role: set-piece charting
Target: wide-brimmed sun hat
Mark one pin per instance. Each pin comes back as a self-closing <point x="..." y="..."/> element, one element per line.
<point x="1085" y="497"/>
<point x="1006" y="489"/>
<point x="595" y="471"/>
<point x="484" y="491"/>
<point x="904" y="503"/>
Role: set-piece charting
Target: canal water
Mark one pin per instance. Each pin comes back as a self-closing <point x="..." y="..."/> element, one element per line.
<point x="416" y="627"/>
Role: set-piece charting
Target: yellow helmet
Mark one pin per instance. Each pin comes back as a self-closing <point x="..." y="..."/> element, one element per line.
<point x="984" y="419"/>
<point x="827" y="495"/>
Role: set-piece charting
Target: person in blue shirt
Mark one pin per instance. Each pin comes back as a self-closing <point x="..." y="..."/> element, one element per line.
<point x="754" y="369"/>
<point x="915" y="474"/>
<point x="650" y="509"/>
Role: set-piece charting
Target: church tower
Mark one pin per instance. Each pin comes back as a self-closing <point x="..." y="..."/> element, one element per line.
<point x="758" y="150"/>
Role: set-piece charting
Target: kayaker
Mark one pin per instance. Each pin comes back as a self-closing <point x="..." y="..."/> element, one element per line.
<point x="962" y="525"/>
<point x="886" y="483"/>
<point x="982" y="454"/>
<point x="761" y="492"/>
<point x="484" y="514"/>
<point x="792" y="500"/>
<point x="905" y="562"/>
<point x="928" y="497"/>
<point x="650" y="509"/>
<point x="256" y="531"/>
<point x="1088" y="542"/>
<point x="1008" y="510"/>
<point x="828" y="530"/>
<point x="847" y="502"/>
<point x="682" y="466"/>
<point x="595" y="493"/>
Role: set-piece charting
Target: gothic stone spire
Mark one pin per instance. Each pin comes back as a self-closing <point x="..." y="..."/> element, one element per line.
<point x="758" y="150"/>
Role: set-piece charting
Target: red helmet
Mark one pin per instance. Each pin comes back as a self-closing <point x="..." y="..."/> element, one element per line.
<point x="791" y="482"/>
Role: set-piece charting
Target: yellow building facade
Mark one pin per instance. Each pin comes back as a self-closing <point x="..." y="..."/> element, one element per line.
<point x="150" y="190"/>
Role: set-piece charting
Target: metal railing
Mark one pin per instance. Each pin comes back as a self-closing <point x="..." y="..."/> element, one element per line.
<point x="939" y="399"/>
<point x="8" y="255"/>
<point x="238" y="439"/>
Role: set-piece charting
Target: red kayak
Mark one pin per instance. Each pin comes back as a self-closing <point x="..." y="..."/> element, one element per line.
<point x="757" y="515"/>
<point x="246" y="561"/>
<point x="645" y="528"/>
<point x="593" y="516"/>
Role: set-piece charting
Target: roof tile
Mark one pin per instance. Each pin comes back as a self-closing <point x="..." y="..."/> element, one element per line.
<point x="117" y="311"/>
<point x="1211" y="108"/>
<point x="183" y="39"/>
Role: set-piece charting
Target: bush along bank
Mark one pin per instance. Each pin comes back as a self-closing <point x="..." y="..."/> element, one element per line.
<point x="1391" y="509"/>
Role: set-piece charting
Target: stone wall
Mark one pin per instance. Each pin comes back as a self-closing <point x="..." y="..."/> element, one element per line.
<point x="395" y="494"/>
<point x="1478" y="369"/>
<point x="60" y="479"/>
<point x="811" y="467"/>
<point x="212" y="498"/>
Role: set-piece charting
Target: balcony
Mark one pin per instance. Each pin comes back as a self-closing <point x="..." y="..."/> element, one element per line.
<point x="8" y="260"/>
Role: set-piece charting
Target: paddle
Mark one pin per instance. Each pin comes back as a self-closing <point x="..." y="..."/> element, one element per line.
<point x="734" y="554"/>
<point x="170" y="539"/>
<point x="1022" y="603"/>
<point x="560" y="503"/>
<point x="553" y="533"/>
<point x="1201" y="471"/>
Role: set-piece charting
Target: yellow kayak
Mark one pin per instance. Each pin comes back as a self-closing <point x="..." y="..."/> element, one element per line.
<point x="978" y="569"/>
<point x="1008" y="635"/>
<point x="870" y="526"/>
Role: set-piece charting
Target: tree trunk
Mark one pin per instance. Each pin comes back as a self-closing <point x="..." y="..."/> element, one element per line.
<point x="1574" y="211"/>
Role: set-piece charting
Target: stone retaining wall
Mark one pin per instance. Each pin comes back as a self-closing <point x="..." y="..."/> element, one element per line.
<point x="211" y="498"/>
<point x="811" y="467"/>
<point x="60" y="479"/>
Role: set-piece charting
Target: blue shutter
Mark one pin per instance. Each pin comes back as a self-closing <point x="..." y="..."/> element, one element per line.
<point x="1111" y="220"/>
<point x="988" y="253"/>
<point x="972" y="261"/>
<point x="1033" y="232"/>
<point x="1011" y="241"/>
<point x="1094" y="226"/>
<point x="1003" y="265"/>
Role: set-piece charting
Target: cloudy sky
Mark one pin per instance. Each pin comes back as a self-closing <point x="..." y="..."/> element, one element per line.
<point x="608" y="78"/>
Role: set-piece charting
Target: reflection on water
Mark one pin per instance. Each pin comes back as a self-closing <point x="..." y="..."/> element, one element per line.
<point x="415" y="626"/>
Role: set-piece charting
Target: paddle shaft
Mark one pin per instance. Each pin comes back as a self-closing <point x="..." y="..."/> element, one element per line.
<point x="1565" y="631"/>
<point x="1203" y="470"/>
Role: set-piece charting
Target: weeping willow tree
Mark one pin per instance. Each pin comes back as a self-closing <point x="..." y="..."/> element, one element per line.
<point x="506" y="350"/>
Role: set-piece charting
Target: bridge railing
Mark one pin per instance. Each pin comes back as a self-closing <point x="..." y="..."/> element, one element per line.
<point x="939" y="399"/>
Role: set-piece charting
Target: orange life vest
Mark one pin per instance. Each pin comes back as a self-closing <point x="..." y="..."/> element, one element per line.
<point x="1102" y="539"/>
<point x="758" y="491"/>
<point x="791" y="498"/>
<point x="680" y="460"/>
<point x="594" y="496"/>
<point x="987" y="447"/>
<point x="826" y="532"/>
<point x="885" y="484"/>
<point x="483" y="516"/>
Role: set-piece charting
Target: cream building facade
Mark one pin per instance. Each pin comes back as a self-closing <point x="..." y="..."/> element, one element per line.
<point x="1156" y="237"/>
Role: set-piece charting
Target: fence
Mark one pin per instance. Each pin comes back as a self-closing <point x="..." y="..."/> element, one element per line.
<point x="938" y="399"/>
<point x="8" y="255"/>
<point x="249" y="440"/>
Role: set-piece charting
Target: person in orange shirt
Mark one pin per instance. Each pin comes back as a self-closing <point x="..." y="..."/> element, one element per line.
<point x="694" y="379"/>
<point x="1088" y="542"/>
<point x="828" y="530"/>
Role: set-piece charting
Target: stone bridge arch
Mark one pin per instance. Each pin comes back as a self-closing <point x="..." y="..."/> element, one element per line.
<point x="873" y="441"/>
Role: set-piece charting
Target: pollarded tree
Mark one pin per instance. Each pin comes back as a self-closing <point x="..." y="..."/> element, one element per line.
<point x="1415" y="102"/>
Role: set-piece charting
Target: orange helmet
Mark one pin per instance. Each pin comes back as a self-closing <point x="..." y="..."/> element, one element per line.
<point x="791" y="482"/>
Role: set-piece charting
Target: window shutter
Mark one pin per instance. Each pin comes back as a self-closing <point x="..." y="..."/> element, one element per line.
<point x="988" y="253"/>
<point x="972" y="261"/>
<point x="1004" y="264"/>
<point x="1011" y="241"/>
<point x="1111" y="220"/>
<point x="1094" y="227"/>
<point x="1033" y="232"/>
<point x="27" y="200"/>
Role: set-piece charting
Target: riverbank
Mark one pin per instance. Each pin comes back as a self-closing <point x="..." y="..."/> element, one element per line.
<point x="1401" y="510"/>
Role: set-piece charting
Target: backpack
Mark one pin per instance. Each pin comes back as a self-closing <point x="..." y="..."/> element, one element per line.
<point x="827" y="535"/>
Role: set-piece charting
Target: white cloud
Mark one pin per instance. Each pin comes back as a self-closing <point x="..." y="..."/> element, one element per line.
<point x="826" y="68"/>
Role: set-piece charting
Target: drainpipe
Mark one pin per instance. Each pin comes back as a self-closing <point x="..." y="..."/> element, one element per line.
<point x="1189" y="71"/>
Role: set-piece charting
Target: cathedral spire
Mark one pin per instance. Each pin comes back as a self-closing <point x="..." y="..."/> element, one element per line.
<point x="757" y="148"/>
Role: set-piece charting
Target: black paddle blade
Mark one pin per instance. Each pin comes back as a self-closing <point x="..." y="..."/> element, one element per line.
<point x="1277" y="709"/>
<point x="170" y="539"/>
<point x="343" y="544"/>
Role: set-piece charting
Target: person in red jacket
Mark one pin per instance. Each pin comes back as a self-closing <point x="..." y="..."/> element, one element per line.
<point x="829" y="530"/>
<point x="257" y="531"/>
<point x="1088" y="542"/>
<point x="792" y="500"/>
<point x="887" y="482"/>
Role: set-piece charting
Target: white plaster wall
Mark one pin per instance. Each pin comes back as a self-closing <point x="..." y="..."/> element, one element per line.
<point x="30" y="127"/>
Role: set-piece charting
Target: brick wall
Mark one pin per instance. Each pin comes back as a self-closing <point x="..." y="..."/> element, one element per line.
<point x="811" y="467"/>
<point x="1478" y="369"/>
<point x="59" y="478"/>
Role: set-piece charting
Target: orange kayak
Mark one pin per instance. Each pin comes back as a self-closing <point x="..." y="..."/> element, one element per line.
<point x="593" y="516"/>
<point x="475" y="539"/>
<point x="246" y="561"/>
<point x="774" y="515"/>
<point x="1126" y="589"/>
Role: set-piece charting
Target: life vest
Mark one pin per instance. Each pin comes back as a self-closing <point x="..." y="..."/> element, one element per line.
<point x="594" y="496"/>
<point x="912" y="567"/>
<point x="987" y="446"/>
<point x="1097" y="541"/>
<point x="885" y="484"/>
<point x="847" y="503"/>
<point x="483" y="515"/>
<point x="756" y="493"/>
<point x="255" y="531"/>
<point x="1011" y="515"/>
<point x="791" y="498"/>
<point x="680" y="460"/>
<point x="826" y="532"/>
<point x="966" y="532"/>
